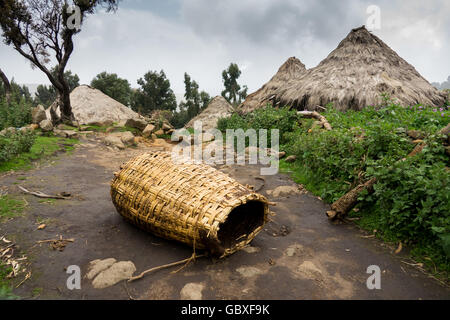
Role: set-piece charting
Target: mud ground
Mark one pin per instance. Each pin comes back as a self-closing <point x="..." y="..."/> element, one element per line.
<point x="299" y="255"/>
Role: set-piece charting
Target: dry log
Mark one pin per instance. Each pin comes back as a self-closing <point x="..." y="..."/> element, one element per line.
<point x="315" y="115"/>
<point x="348" y="200"/>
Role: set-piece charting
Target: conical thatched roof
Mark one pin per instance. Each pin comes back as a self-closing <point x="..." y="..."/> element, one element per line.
<point x="292" y="69"/>
<point x="91" y="105"/>
<point x="355" y="75"/>
<point x="217" y="108"/>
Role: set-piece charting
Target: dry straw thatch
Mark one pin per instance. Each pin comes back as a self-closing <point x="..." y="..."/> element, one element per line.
<point x="192" y="203"/>
<point x="217" y="108"/>
<point x="355" y="75"/>
<point x="292" y="70"/>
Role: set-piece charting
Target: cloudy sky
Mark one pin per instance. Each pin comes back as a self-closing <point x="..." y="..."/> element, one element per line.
<point x="202" y="37"/>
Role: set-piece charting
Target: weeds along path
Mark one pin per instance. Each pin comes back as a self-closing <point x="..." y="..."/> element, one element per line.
<point x="299" y="255"/>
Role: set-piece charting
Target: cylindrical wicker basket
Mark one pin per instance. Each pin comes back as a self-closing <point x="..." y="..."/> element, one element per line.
<point x="192" y="203"/>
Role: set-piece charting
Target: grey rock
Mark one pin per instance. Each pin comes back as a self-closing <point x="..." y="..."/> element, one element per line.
<point x="38" y="114"/>
<point x="46" y="125"/>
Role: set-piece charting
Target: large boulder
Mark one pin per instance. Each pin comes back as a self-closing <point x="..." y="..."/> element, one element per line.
<point x="38" y="114"/>
<point x="46" y="125"/>
<point x="136" y="123"/>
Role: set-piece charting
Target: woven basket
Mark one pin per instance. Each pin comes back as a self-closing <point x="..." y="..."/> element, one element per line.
<point x="192" y="203"/>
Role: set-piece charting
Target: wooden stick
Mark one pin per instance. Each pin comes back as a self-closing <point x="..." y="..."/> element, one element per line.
<point x="194" y="256"/>
<point x="55" y="240"/>
<point x="313" y="114"/>
<point x="40" y="194"/>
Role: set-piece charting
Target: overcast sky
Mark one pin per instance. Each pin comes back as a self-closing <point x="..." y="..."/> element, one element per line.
<point x="202" y="37"/>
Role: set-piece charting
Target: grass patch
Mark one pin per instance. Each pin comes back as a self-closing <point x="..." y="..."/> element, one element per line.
<point x="10" y="207"/>
<point x="5" y="283"/>
<point x="43" y="147"/>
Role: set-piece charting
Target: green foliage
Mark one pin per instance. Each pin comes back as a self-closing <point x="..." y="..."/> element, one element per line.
<point x="46" y="95"/>
<point x="233" y="91"/>
<point x="411" y="199"/>
<point x="113" y="86"/>
<point x="283" y="119"/>
<point x="154" y="94"/>
<point x="15" y="143"/>
<point x="195" y="102"/>
<point x="43" y="147"/>
<point x="15" y="114"/>
<point x="5" y="284"/>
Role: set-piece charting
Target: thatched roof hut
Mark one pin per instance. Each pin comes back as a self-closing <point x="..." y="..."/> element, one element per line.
<point x="356" y="74"/>
<point x="217" y="108"/>
<point x="292" y="69"/>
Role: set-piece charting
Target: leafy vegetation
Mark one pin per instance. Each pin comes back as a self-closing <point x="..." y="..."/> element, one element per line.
<point x="283" y="119"/>
<point x="233" y="91"/>
<point x="5" y="285"/>
<point x="17" y="113"/>
<point x="43" y="147"/>
<point x="110" y="84"/>
<point x="14" y="143"/>
<point x="411" y="199"/>
<point x="154" y="94"/>
<point x="195" y="102"/>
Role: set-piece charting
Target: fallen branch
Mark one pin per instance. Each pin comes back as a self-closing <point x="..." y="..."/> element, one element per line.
<point x="173" y="264"/>
<point x="315" y="115"/>
<point x="40" y="194"/>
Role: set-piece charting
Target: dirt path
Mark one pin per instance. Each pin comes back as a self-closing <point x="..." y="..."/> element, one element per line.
<point x="298" y="256"/>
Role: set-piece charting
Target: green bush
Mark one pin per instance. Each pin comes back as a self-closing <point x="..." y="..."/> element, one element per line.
<point x="15" y="143"/>
<point x="15" y="114"/>
<point x="411" y="199"/>
<point x="267" y="118"/>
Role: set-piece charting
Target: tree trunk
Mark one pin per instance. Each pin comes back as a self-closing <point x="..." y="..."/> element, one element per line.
<point x="7" y="86"/>
<point x="65" y="107"/>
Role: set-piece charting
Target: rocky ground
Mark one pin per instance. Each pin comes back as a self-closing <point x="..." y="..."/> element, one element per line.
<point x="299" y="255"/>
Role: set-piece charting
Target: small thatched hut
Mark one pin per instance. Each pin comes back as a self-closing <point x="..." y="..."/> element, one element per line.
<point x="217" y="108"/>
<point x="292" y="69"/>
<point x="355" y="75"/>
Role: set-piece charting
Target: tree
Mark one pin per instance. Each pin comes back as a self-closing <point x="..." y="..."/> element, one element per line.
<point x="154" y="94"/>
<point x="233" y="93"/>
<point x="46" y="95"/>
<point x="113" y="86"/>
<point x="37" y="28"/>
<point x="194" y="103"/>
<point x="6" y="86"/>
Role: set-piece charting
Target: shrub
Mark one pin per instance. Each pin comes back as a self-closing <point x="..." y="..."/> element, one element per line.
<point x="15" y="143"/>
<point x="411" y="199"/>
<point x="267" y="118"/>
<point x="15" y="114"/>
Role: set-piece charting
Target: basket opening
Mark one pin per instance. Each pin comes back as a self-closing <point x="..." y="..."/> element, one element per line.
<point x="241" y="221"/>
